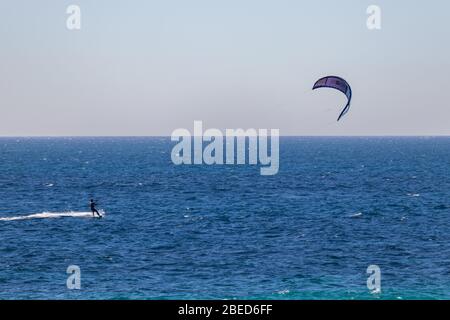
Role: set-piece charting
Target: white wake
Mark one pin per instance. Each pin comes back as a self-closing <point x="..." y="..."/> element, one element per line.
<point x="52" y="215"/>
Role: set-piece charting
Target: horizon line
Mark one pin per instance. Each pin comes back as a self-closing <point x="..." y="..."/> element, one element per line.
<point x="281" y="136"/>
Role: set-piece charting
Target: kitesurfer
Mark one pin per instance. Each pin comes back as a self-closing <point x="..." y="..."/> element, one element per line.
<point x="94" y="209"/>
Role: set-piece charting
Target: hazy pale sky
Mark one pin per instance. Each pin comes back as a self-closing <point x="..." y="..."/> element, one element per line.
<point x="149" y="67"/>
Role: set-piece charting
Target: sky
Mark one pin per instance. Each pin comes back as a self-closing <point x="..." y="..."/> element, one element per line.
<point x="149" y="67"/>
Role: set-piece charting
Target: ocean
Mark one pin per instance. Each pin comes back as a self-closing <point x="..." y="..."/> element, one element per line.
<point x="337" y="206"/>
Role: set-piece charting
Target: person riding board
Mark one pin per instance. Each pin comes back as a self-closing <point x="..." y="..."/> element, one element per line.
<point x="94" y="209"/>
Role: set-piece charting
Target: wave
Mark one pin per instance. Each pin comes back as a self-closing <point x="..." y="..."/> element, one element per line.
<point x="51" y="215"/>
<point x="359" y="214"/>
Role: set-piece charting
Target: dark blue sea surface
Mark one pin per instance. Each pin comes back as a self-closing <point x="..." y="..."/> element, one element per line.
<point x="336" y="206"/>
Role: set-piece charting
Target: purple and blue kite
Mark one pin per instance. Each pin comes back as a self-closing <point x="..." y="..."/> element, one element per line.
<point x="338" y="84"/>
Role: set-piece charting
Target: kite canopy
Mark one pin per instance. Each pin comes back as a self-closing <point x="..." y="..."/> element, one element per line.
<point x="338" y="84"/>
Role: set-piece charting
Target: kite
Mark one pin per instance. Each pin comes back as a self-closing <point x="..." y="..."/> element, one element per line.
<point x="338" y="84"/>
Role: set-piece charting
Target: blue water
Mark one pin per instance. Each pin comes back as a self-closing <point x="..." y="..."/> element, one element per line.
<point x="337" y="206"/>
